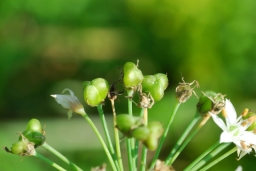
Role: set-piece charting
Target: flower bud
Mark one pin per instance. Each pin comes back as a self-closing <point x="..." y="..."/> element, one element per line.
<point x="69" y="102"/>
<point x="132" y="76"/>
<point x="126" y="123"/>
<point x="95" y="91"/>
<point x="155" y="85"/>
<point x="210" y="102"/>
<point x="184" y="91"/>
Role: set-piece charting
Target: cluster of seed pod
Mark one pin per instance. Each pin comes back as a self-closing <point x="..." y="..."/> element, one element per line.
<point x="29" y="139"/>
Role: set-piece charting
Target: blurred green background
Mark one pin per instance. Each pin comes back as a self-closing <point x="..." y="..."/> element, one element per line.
<point x="46" y="46"/>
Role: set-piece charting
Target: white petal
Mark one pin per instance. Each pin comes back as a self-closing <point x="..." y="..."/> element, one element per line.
<point x="243" y="152"/>
<point x="63" y="100"/>
<point x="225" y="137"/>
<point x="231" y="113"/>
<point x="219" y="122"/>
<point x="248" y="137"/>
<point x="70" y="91"/>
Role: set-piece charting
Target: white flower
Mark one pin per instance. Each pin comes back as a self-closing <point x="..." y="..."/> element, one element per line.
<point x="69" y="102"/>
<point x="235" y="130"/>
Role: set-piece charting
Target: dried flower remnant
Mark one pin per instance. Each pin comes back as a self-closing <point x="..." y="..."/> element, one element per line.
<point x="160" y="166"/>
<point x="113" y="91"/>
<point x="100" y="168"/>
<point x="184" y="90"/>
<point x="145" y="100"/>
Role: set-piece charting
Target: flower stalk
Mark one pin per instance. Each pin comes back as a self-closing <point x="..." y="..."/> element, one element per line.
<point x="60" y="156"/>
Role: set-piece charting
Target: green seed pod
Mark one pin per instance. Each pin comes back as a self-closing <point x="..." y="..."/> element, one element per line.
<point x="35" y="137"/>
<point x="155" y="85"/>
<point x="19" y="147"/>
<point x="126" y="123"/>
<point x="132" y="76"/>
<point x="162" y="79"/>
<point x="157" y="92"/>
<point x="95" y="91"/>
<point x="141" y="133"/>
<point x="148" y="82"/>
<point x="156" y="129"/>
<point x="205" y="104"/>
<point x="210" y="102"/>
<point x="34" y="125"/>
<point x="151" y="143"/>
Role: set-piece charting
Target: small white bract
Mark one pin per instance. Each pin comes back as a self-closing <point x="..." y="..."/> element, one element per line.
<point x="69" y="102"/>
<point x="235" y="130"/>
<point x="239" y="168"/>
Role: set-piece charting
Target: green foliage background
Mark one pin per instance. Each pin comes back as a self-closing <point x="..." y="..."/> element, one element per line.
<point x="46" y="46"/>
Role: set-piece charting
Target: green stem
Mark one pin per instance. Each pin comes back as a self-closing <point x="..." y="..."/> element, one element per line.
<point x="137" y="142"/>
<point x="176" y="106"/>
<point x="182" y="138"/>
<point x="118" y="149"/>
<point x="201" y="156"/>
<point x="49" y="162"/>
<point x="101" y="140"/>
<point x="219" y="159"/>
<point x="130" y="144"/>
<point x="60" y="156"/>
<point x="210" y="156"/>
<point x="144" y="149"/>
<point x="129" y="153"/>
<point x="170" y="160"/>
<point x="105" y="128"/>
<point x="143" y="159"/>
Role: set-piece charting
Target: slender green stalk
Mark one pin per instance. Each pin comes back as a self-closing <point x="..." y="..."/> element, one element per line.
<point x="182" y="138"/>
<point x="130" y="144"/>
<point x="137" y="142"/>
<point x="219" y="159"/>
<point x="49" y="162"/>
<point x="144" y="149"/>
<point x="129" y="153"/>
<point x="105" y="128"/>
<point x="176" y="106"/>
<point x="210" y="156"/>
<point x="170" y="160"/>
<point x="118" y="149"/>
<point x="60" y="156"/>
<point x="201" y="156"/>
<point x="86" y="117"/>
